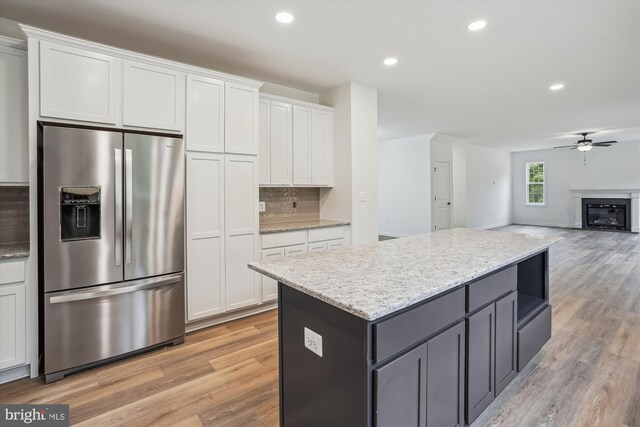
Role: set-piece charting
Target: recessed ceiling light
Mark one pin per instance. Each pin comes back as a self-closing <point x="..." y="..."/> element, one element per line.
<point x="556" y="86"/>
<point x="477" y="25"/>
<point x="390" y="61"/>
<point x="284" y="17"/>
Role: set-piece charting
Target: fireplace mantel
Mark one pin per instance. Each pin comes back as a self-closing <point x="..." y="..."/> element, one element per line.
<point x="608" y="193"/>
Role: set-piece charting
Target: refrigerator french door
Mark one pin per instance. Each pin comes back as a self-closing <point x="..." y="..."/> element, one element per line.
<point x="111" y="223"/>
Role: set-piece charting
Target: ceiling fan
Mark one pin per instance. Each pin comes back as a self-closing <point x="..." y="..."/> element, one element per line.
<point x="586" y="144"/>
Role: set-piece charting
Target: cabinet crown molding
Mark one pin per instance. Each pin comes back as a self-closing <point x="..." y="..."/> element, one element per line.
<point x="40" y="34"/>
<point x="11" y="42"/>
<point x="293" y="101"/>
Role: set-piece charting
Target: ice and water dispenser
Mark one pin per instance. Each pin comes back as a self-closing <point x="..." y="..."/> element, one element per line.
<point x="79" y="213"/>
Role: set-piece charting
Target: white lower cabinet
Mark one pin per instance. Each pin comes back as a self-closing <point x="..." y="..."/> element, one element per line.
<point x="13" y="314"/>
<point x="317" y="247"/>
<point x="269" y="285"/>
<point x="241" y="230"/>
<point x="291" y="243"/>
<point x="205" y="235"/>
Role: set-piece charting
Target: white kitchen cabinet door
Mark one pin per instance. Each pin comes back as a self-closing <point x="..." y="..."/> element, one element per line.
<point x="321" y="147"/>
<point x="14" y="143"/>
<point x="317" y="247"/>
<point x="12" y="325"/>
<point x="205" y="235"/>
<point x="241" y="119"/>
<point x="281" y="156"/>
<point x="241" y="224"/>
<point x="269" y="285"/>
<point x="335" y="244"/>
<point x="301" y="145"/>
<point x="263" y="150"/>
<point x="77" y="84"/>
<point x="205" y="114"/>
<point x="296" y="250"/>
<point x="153" y="97"/>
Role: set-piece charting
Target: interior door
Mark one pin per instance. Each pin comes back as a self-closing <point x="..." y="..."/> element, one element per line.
<point x="73" y="161"/>
<point x="154" y="205"/>
<point x="442" y="195"/>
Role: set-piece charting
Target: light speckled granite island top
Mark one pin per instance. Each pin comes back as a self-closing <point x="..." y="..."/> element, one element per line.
<point x="306" y="224"/>
<point x="374" y="280"/>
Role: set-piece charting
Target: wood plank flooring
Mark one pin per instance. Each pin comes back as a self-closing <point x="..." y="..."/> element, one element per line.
<point x="587" y="375"/>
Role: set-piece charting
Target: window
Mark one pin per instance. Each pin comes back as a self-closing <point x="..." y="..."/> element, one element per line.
<point x="535" y="183"/>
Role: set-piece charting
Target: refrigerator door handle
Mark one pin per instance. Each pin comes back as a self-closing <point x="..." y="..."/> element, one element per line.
<point x="128" y="176"/>
<point x="118" y="206"/>
<point x="111" y="290"/>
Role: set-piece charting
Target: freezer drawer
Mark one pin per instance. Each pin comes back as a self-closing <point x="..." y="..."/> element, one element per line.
<point x="88" y="325"/>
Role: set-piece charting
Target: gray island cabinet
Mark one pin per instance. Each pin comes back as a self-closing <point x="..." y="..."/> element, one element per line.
<point x="420" y="331"/>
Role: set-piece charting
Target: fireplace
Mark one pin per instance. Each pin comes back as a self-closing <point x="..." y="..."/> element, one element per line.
<point x="606" y="214"/>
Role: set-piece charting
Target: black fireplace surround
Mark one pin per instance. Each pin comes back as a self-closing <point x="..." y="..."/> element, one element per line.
<point x="606" y="214"/>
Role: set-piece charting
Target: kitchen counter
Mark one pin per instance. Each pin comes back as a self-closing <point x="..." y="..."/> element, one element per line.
<point x="421" y="330"/>
<point x="371" y="281"/>
<point x="14" y="250"/>
<point x="279" y="227"/>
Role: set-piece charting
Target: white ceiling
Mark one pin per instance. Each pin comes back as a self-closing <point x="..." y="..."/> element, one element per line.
<point x="488" y="87"/>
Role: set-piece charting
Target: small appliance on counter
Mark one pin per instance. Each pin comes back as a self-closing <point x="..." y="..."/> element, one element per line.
<point x="111" y="245"/>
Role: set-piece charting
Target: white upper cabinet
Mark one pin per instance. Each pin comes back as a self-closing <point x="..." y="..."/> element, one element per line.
<point x="14" y="147"/>
<point x="280" y="149"/>
<point x="301" y="145"/>
<point x="77" y="84"/>
<point x="264" y="153"/>
<point x="321" y="148"/>
<point x="241" y="119"/>
<point x="205" y="235"/>
<point x="205" y="114"/>
<point x="153" y="97"/>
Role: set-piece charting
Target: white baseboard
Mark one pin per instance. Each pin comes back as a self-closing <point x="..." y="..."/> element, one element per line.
<point x="233" y="315"/>
<point x="14" y="374"/>
<point x="487" y="227"/>
<point x="385" y="233"/>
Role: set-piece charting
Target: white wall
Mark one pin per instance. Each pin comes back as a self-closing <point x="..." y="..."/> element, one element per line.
<point x="355" y="160"/>
<point x="404" y="184"/>
<point x="615" y="167"/>
<point x="487" y="197"/>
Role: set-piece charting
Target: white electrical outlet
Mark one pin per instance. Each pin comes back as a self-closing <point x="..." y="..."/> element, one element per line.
<point x="262" y="207"/>
<point x="363" y="196"/>
<point x="313" y="341"/>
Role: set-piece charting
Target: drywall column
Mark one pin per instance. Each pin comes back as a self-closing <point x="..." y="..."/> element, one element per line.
<point x="355" y="161"/>
<point x="404" y="185"/>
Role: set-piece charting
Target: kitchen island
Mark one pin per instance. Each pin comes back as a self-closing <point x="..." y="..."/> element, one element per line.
<point x="419" y="331"/>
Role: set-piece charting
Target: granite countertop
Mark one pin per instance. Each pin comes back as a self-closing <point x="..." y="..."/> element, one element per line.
<point x="278" y="227"/>
<point x="374" y="280"/>
<point x="14" y="250"/>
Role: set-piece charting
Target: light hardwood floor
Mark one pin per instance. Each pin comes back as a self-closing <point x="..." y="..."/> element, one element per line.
<point x="587" y="375"/>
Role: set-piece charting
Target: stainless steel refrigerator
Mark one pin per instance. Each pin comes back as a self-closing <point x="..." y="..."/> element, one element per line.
<point x="111" y="245"/>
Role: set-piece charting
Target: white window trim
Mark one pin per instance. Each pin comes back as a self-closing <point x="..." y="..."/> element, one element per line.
<point x="544" y="185"/>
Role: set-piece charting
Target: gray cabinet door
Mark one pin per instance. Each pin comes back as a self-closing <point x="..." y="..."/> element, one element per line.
<point x="400" y="389"/>
<point x="445" y="378"/>
<point x="480" y="361"/>
<point x="506" y="330"/>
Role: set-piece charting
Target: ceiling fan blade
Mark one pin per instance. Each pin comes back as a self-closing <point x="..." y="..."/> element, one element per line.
<point x="567" y="146"/>
<point x="601" y="145"/>
<point x="605" y="142"/>
<point x="573" y="148"/>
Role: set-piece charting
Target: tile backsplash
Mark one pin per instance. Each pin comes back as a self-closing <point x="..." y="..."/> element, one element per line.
<point x="279" y="204"/>
<point x="14" y="214"/>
